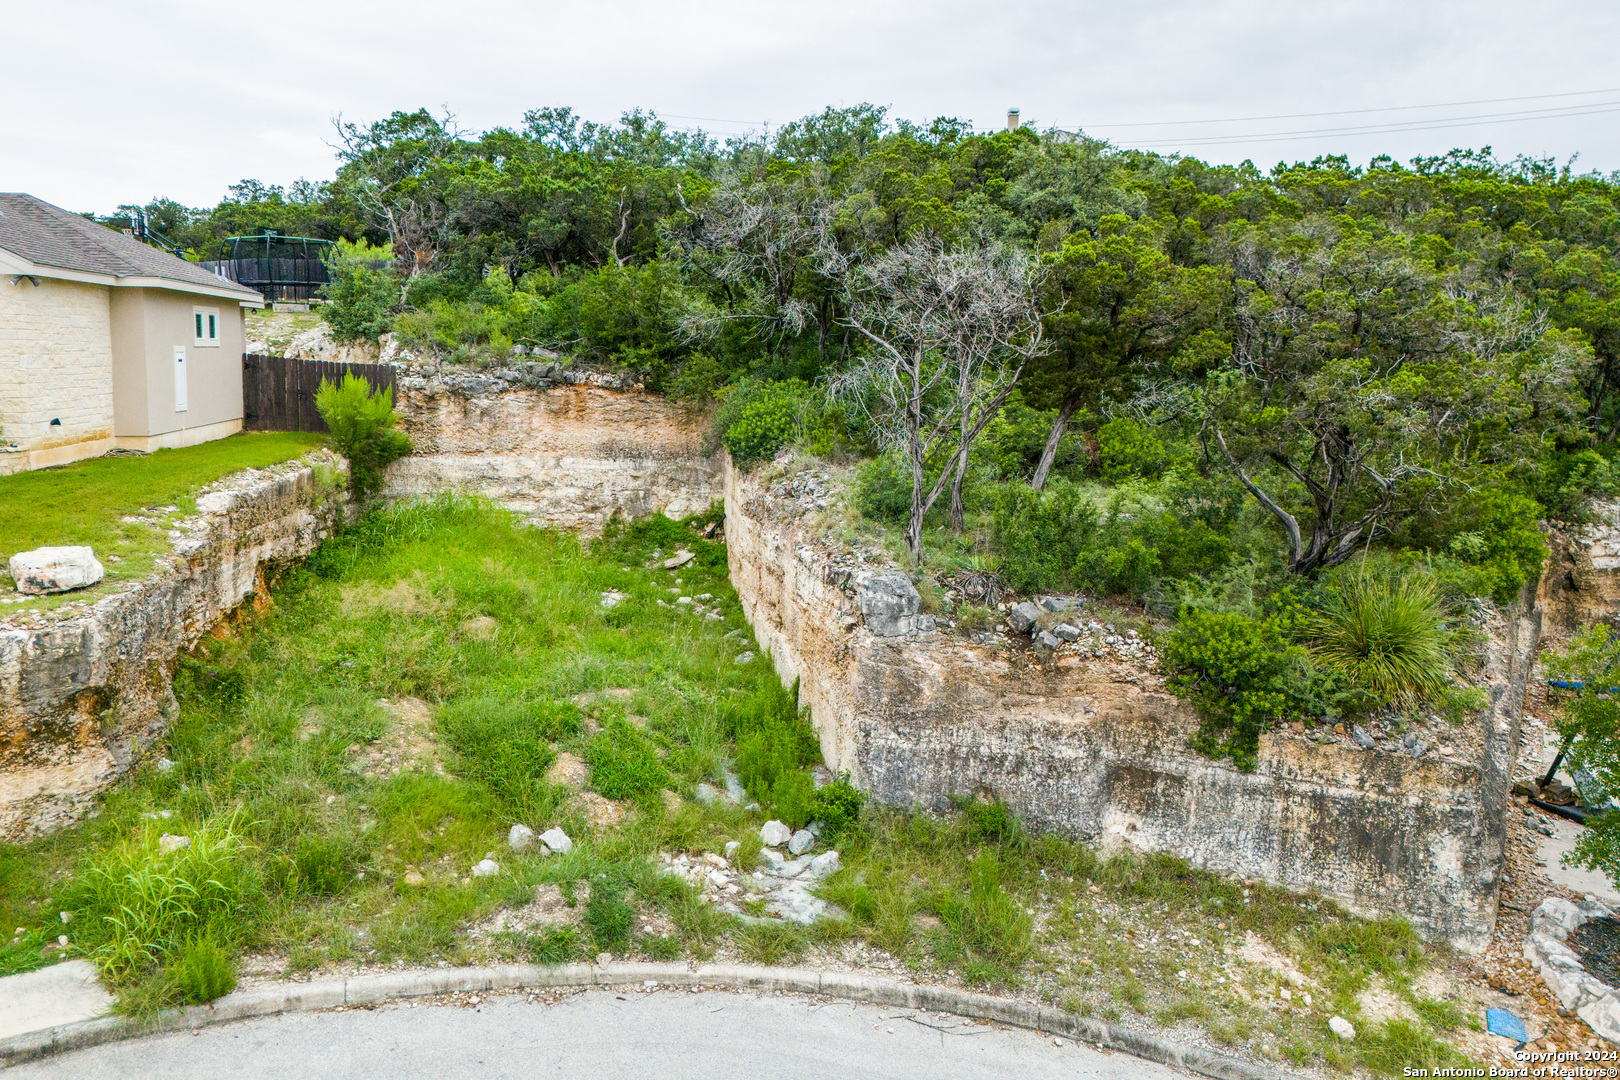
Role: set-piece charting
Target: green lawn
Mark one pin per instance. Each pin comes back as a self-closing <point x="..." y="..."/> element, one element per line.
<point x="87" y="502"/>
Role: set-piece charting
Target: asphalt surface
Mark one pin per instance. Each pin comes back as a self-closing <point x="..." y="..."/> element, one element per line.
<point x="604" y="1035"/>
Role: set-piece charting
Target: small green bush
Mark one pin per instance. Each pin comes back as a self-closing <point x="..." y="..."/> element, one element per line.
<point x="624" y="764"/>
<point x="360" y="300"/>
<point x="364" y="429"/>
<point x="1385" y="634"/>
<point x="1498" y="532"/>
<point x="1041" y="536"/>
<point x="202" y="972"/>
<point x="138" y="906"/>
<point x="1239" y="674"/>
<point x="321" y="865"/>
<point x="763" y="428"/>
<point x="838" y="807"/>
<point x="1126" y="449"/>
<point x="555" y="945"/>
<point x="987" y="822"/>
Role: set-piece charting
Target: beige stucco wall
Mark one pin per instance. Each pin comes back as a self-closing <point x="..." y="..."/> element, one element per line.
<point x="146" y="325"/>
<point x="55" y="363"/>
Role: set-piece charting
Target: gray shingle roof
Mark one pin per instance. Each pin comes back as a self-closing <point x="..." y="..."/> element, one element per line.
<point x="52" y="237"/>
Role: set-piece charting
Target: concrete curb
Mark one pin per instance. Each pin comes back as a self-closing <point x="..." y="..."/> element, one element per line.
<point x="374" y="989"/>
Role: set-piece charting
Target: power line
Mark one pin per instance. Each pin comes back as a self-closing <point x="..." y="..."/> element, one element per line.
<point x="1352" y="112"/>
<point x="1594" y="109"/>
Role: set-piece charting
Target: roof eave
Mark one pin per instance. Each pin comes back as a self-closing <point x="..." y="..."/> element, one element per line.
<point x="17" y="266"/>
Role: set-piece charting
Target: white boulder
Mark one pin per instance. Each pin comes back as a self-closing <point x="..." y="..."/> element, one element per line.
<point x="486" y="868"/>
<point x="556" y="840"/>
<point x="1341" y="1027"/>
<point x="801" y="842"/>
<point x="519" y="837"/>
<point x="55" y="570"/>
<point x="774" y="834"/>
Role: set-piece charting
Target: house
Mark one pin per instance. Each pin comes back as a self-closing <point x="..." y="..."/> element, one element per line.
<point x="106" y="342"/>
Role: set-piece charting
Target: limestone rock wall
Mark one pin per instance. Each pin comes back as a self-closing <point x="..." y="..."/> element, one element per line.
<point x="81" y="698"/>
<point x="567" y="456"/>
<point x="1581" y="581"/>
<point x="1097" y="750"/>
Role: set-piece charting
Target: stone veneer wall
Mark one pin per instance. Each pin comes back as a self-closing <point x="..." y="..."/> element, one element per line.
<point x="81" y="698"/>
<point x="1098" y="751"/>
<point x="559" y="454"/>
<point x="55" y="364"/>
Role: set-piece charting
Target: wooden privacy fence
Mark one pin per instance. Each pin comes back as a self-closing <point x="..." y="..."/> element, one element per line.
<point x="278" y="392"/>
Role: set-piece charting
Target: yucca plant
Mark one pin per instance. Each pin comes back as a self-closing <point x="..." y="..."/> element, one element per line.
<point x="1386" y="634"/>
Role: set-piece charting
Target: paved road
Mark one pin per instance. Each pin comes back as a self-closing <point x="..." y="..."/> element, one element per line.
<point x="603" y="1035"/>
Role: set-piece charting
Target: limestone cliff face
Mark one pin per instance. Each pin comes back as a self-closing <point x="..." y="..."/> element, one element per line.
<point x="1580" y="584"/>
<point x="566" y="456"/>
<point x="81" y="698"/>
<point x="1098" y="750"/>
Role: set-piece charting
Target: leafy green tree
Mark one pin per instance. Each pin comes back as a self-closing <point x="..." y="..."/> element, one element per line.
<point x="360" y="299"/>
<point x="1364" y="384"/>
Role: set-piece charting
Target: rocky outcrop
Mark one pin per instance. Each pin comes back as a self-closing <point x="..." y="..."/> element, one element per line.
<point x="1095" y="748"/>
<point x="81" y="697"/>
<point x="1580" y="584"/>
<point x="561" y="448"/>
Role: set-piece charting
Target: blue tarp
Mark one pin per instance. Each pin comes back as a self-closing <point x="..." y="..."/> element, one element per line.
<point x="1501" y="1022"/>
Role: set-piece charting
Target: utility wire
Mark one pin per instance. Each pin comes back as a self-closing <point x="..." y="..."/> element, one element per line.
<point x="1354" y="112"/>
<point x="1596" y="109"/>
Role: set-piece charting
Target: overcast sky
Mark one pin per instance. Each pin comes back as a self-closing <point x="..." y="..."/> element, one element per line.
<point x="110" y="103"/>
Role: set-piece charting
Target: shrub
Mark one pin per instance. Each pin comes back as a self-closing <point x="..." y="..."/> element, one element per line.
<point x="1386" y="635"/>
<point x="838" y="807"/>
<point x="756" y="419"/>
<point x="1041" y="536"/>
<point x="763" y="428"/>
<point x="1126" y="449"/>
<point x="1238" y="673"/>
<point x="883" y="489"/>
<point x="1572" y="478"/>
<point x="773" y="744"/>
<point x="321" y="865"/>
<point x="624" y="764"/>
<point x="1498" y="532"/>
<point x="364" y="429"/>
<point x="360" y="300"/>
<point x="202" y="972"/>
<point x="987" y="822"/>
<point x="793" y="798"/>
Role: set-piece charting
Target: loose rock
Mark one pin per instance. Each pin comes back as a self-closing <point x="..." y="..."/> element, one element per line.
<point x="55" y="570"/>
<point x="519" y="837"/>
<point x="1341" y="1027"/>
<point x="801" y="842"/>
<point x="1022" y="617"/>
<point x="486" y="868"/>
<point x="556" y="840"/>
<point x="170" y="842"/>
<point x="774" y="834"/>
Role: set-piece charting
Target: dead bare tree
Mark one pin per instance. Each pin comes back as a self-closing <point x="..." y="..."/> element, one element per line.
<point x="948" y="333"/>
<point x="761" y="241"/>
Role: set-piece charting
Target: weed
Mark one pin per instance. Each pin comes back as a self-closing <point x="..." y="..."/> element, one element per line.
<point x="202" y="972"/>
<point x="140" y="905"/>
<point x="771" y="943"/>
<point x="608" y="915"/>
<point x="555" y="945"/>
<point x="659" y="948"/>
<point x="624" y="764"/>
<point x="1385" y="634"/>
